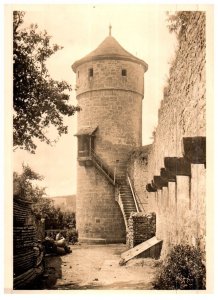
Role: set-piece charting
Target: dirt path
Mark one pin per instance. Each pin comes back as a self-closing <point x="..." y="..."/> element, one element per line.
<point x="97" y="267"/>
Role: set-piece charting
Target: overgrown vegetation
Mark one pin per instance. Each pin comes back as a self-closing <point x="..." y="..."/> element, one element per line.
<point x="182" y="270"/>
<point x="25" y="188"/>
<point x="179" y="21"/>
<point x="182" y="24"/>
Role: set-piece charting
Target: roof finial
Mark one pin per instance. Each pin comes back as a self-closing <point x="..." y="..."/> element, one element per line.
<point x="110" y="27"/>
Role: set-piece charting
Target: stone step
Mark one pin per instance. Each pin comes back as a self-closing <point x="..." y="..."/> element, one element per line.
<point x="129" y="211"/>
<point x="126" y="194"/>
<point x="127" y="203"/>
<point x="127" y="200"/>
<point x="125" y="185"/>
<point x="130" y="207"/>
<point x="125" y="190"/>
<point x="127" y="197"/>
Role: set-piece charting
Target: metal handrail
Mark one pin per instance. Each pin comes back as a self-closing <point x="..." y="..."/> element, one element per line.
<point x="102" y="165"/>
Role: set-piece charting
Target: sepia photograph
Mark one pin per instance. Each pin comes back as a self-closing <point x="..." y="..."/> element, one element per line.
<point x="110" y="135"/>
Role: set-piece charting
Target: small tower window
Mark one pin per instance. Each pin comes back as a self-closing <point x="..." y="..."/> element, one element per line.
<point x="83" y="146"/>
<point x="124" y="72"/>
<point x="90" y="72"/>
<point x="78" y="74"/>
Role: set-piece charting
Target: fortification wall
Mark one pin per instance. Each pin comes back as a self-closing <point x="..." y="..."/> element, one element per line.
<point x="180" y="206"/>
<point x="138" y="173"/>
<point x="183" y="109"/>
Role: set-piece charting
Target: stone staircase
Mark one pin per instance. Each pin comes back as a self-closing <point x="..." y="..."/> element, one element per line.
<point x="127" y="200"/>
<point x="128" y="203"/>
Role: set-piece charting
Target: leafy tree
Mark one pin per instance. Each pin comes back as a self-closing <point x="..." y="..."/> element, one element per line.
<point x="23" y="186"/>
<point x="179" y="21"/>
<point x="39" y="101"/>
<point x="42" y="206"/>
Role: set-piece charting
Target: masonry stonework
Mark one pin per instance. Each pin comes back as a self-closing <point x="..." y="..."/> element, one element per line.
<point x="138" y="172"/>
<point x="141" y="227"/>
<point x="183" y="110"/>
<point x="179" y="206"/>
<point x="110" y="88"/>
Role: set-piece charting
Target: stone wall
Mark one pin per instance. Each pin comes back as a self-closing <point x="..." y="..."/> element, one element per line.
<point x="118" y="117"/>
<point x="180" y="206"/>
<point x="99" y="217"/>
<point x="182" y="111"/>
<point x="107" y="76"/>
<point x="141" y="227"/>
<point x="138" y="172"/>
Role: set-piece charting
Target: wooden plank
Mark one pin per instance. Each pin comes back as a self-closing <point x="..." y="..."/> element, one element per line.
<point x="131" y="253"/>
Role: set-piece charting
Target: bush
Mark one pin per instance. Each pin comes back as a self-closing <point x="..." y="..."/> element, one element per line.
<point x="182" y="270"/>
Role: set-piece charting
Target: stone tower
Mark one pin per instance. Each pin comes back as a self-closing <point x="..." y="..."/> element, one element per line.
<point x="110" y="89"/>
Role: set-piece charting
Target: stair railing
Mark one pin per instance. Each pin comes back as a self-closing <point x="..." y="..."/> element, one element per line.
<point x="120" y="202"/>
<point x="104" y="168"/>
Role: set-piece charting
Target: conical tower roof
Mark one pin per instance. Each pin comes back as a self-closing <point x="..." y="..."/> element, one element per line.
<point x="109" y="49"/>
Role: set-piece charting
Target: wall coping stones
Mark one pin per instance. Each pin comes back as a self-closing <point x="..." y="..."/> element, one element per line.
<point x="177" y="166"/>
<point x="194" y="149"/>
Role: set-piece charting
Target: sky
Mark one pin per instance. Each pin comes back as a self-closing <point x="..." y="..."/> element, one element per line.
<point x="141" y="29"/>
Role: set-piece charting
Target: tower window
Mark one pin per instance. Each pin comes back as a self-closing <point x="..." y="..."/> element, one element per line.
<point x="78" y="74"/>
<point x="124" y="72"/>
<point x="83" y="146"/>
<point x="91" y="72"/>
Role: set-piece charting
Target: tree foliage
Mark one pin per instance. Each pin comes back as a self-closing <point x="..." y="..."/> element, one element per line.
<point x="42" y="206"/>
<point x="24" y="187"/>
<point x="179" y="21"/>
<point x="39" y="101"/>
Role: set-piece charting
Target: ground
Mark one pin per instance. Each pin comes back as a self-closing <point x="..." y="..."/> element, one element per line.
<point x="97" y="267"/>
